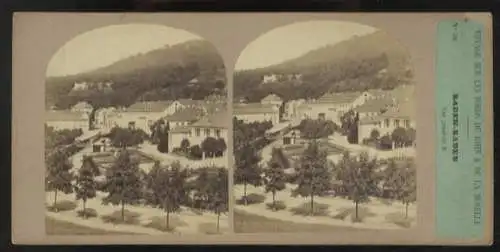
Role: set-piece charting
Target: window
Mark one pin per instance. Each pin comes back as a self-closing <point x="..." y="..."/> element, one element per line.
<point x="190" y="133"/>
<point x="197" y="132"/>
<point x="207" y="132"/>
<point x="217" y="132"/>
<point x="396" y="123"/>
<point x="386" y="123"/>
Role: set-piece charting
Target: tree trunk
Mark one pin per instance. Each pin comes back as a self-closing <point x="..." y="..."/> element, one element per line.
<point x="312" y="204"/>
<point x="84" y="213"/>
<point x="167" y="220"/>
<point x="245" y="194"/>
<point x="55" y="201"/>
<point x="356" y="210"/>
<point x="218" y="219"/>
<point x="274" y="200"/>
<point x="123" y="211"/>
<point x="406" y="211"/>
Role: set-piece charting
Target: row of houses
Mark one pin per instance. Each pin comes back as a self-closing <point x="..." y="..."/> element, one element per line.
<point x="383" y="110"/>
<point x="187" y="119"/>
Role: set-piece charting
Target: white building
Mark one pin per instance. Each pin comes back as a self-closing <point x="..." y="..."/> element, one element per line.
<point x="374" y="107"/>
<point x="144" y="114"/>
<point x="184" y="117"/>
<point x="256" y="112"/>
<point x="272" y="99"/>
<point x="213" y="125"/>
<point x="84" y="107"/>
<point x="65" y="119"/>
<point x="332" y="105"/>
<point x="401" y="116"/>
<point x="268" y="78"/>
<point x="291" y="109"/>
<point x="104" y="118"/>
<point x="78" y="86"/>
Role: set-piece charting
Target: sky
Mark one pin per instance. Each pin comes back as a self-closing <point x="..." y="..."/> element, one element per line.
<point x="291" y="41"/>
<point x="104" y="46"/>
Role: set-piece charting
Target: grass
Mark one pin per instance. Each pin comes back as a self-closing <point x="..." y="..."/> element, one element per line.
<point x="252" y="198"/>
<point x="210" y="228"/>
<point x="399" y="219"/>
<point x="250" y="223"/>
<point x="57" y="227"/>
<point x="87" y="213"/>
<point x="318" y="209"/>
<point x="158" y="223"/>
<point x="277" y="206"/>
<point x="131" y="218"/>
<point x="363" y="212"/>
<point x="62" y="206"/>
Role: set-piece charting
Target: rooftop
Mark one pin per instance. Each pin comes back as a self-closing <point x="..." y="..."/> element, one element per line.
<point x="271" y="97"/>
<point x="339" y="98"/>
<point x="186" y="114"/>
<point x="219" y="119"/>
<point x="376" y="105"/>
<point x="149" y="106"/>
<point x="253" y="108"/>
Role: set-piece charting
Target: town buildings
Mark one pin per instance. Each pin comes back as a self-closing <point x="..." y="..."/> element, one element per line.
<point x="211" y="125"/>
<point x="67" y="119"/>
<point x="403" y="115"/>
<point x="256" y="112"/>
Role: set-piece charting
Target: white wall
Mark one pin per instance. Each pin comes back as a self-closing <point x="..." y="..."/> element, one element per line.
<point x="256" y="117"/>
<point x="195" y="137"/>
<point x="59" y="125"/>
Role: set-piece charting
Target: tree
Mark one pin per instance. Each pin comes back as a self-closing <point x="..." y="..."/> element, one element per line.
<point x="402" y="184"/>
<point x="157" y="131"/>
<point x="123" y="138"/>
<point x="248" y="170"/>
<point x="209" y="146"/>
<point x="86" y="186"/>
<point x="123" y="182"/>
<point x="399" y="136"/>
<point x="218" y="192"/>
<point x="195" y="151"/>
<point x="168" y="185"/>
<point x="313" y="173"/>
<point x="185" y="145"/>
<point x="201" y="187"/>
<point x="385" y="142"/>
<point x="221" y="147"/>
<point x="374" y="135"/>
<point x="411" y="136"/>
<point x="274" y="175"/>
<point x="58" y="176"/>
<point x="358" y="178"/>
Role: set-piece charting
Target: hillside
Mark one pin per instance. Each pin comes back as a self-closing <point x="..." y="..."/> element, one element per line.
<point x="160" y="74"/>
<point x="362" y="62"/>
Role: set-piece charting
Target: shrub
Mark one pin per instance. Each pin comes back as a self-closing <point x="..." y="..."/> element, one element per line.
<point x="277" y="206"/>
<point x="158" y="223"/>
<point x="196" y="152"/>
<point x="304" y="209"/>
<point x="63" y="206"/>
<point x="116" y="218"/>
<point x="252" y="198"/>
<point x="87" y="213"/>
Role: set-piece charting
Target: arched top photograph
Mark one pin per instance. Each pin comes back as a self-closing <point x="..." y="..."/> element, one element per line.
<point x="135" y="113"/>
<point x="321" y="103"/>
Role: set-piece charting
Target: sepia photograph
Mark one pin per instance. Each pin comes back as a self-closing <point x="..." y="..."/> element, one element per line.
<point x="135" y="134"/>
<point x="324" y="130"/>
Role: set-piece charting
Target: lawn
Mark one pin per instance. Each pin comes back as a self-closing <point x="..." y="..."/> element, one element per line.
<point x="57" y="227"/>
<point x="249" y="223"/>
<point x="104" y="158"/>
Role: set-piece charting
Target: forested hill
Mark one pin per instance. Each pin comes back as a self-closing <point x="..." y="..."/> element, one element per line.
<point x="371" y="61"/>
<point x="160" y="74"/>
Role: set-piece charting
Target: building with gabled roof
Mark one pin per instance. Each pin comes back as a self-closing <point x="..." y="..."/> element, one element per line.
<point x="213" y="125"/>
<point x="184" y="117"/>
<point x="257" y="112"/>
<point x="67" y="119"/>
<point x="403" y="115"/>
